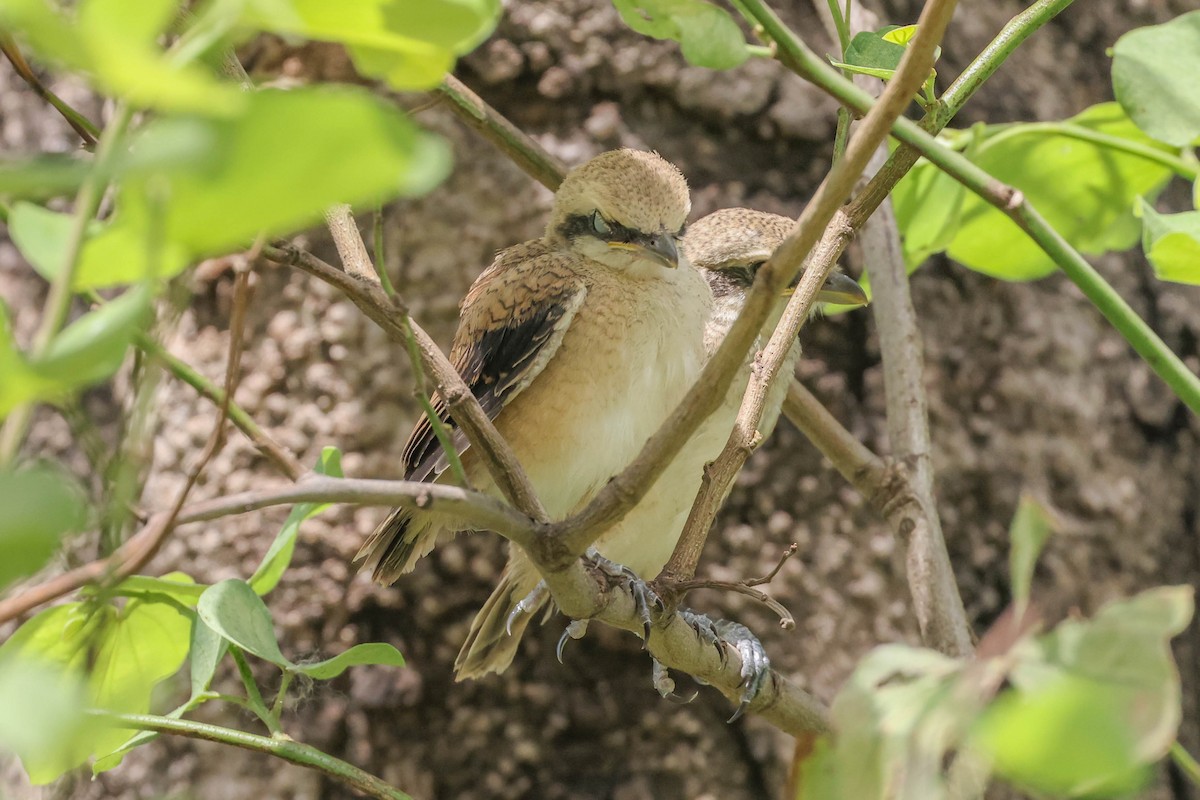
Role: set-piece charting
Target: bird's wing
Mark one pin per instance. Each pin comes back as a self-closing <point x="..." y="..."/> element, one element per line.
<point x="512" y="322"/>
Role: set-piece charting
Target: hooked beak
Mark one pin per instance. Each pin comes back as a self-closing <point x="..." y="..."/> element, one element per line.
<point x="839" y="289"/>
<point x="658" y="247"/>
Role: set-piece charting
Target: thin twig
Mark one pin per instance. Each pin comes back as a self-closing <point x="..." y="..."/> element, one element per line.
<point x="786" y="620"/>
<point x="491" y="124"/>
<point x="871" y="132"/>
<point x="478" y="510"/>
<point x="87" y="130"/>
<point x="291" y="751"/>
<point x="490" y="446"/>
<point x="284" y="460"/>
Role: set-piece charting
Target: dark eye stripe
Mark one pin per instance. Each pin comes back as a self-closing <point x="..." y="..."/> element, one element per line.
<point x="581" y="225"/>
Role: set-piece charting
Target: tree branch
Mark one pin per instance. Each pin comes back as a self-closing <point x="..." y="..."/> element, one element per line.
<point x="350" y="246"/>
<point x="870" y="133"/>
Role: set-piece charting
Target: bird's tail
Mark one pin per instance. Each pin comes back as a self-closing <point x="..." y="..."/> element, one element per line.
<point x="490" y="645"/>
<point x="396" y="545"/>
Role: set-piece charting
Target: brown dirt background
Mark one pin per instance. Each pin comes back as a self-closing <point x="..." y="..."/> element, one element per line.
<point x="1030" y="390"/>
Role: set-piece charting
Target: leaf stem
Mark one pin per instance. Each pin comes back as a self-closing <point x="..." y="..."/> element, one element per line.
<point x="842" y="23"/>
<point x="1186" y="762"/>
<point x="794" y="54"/>
<point x="1171" y="161"/>
<point x="291" y="751"/>
<point x="281" y="695"/>
<point x="58" y="301"/>
<point x="254" y="698"/>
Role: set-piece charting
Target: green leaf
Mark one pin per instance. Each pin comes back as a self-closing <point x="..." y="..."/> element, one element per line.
<point x="1111" y="681"/>
<point x="41" y="236"/>
<point x="175" y="585"/>
<point x="233" y="610"/>
<point x="1172" y="244"/>
<point x="207" y="650"/>
<point x="43" y="720"/>
<point x="114" y="41"/>
<point x="411" y="44"/>
<point x="1030" y="529"/>
<point x="92" y="348"/>
<point x="1066" y="739"/>
<point x="279" y="554"/>
<point x="342" y="145"/>
<point x="1152" y="76"/>
<point x="373" y="653"/>
<point x="40" y="505"/>
<point x="871" y="53"/>
<point x="1084" y="189"/>
<point x="21" y="383"/>
<point x="707" y="35"/>
<point x="119" y="655"/>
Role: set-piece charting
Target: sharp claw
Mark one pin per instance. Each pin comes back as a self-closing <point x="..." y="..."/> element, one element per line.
<point x="574" y="630"/>
<point x="741" y="709"/>
<point x="665" y="685"/>
<point x="643" y="596"/>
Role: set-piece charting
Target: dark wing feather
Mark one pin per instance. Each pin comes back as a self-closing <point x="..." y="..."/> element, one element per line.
<point x="497" y="363"/>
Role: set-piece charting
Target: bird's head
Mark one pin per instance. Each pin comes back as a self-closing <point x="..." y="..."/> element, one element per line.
<point x="625" y="209"/>
<point x="729" y="246"/>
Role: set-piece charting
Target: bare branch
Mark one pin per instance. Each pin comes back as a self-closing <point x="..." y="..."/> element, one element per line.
<point x="871" y="132"/>
<point x="350" y="246"/>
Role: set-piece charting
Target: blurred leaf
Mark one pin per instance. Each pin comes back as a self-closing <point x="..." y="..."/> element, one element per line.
<point x="411" y="44"/>
<point x="279" y="554"/>
<point x="43" y="720"/>
<point x="21" y="382"/>
<point x="92" y="347"/>
<point x="234" y="611"/>
<point x="1030" y="529"/>
<point x="1110" y="683"/>
<point x="895" y="721"/>
<point x="1172" y="244"/>
<point x="175" y="585"/>
<point x="114" y="41"/>
<point x="1067" y="739"/>
<point x="255" y="180"/>
<point x="373" y="653"/>
<point x="119" y="655"/>
<point x="1152" y="76"/>
<point x="41" y="235"/>
<point x="46" y="175"/>
<point x="1087" y="195"/>
<point x="707" y="35"/>
<point x="40" y="505"/>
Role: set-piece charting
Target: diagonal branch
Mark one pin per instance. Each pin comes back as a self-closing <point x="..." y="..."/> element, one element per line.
<point x="871" y="132"/>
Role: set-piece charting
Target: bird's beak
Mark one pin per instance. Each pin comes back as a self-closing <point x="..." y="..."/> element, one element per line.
<point x="839" y="289"/>
<point x="658" y="247"/>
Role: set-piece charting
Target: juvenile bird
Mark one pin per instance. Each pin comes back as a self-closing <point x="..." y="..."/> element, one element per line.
<point x="578" y="345"/>
<point x="727" y="247"/>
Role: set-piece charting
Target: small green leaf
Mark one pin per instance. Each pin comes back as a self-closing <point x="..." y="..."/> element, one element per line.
<point x="92" y="348"/>
<point x="1151" y="75"/>
<point x="1172" y="244"/>
<point x="1030" y="529"/>
<point x="39" y="506"/>
<point x="233" y="610"/>
<point x="872" y="53"/>
<point x="707" y="35"/>
<point x="373" y="653"/>
<point x="279" y="554"/>
<point x="207" y="649"/>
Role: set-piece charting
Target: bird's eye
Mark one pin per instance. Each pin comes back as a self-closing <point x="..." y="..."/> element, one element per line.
<point x="600" y="225"/>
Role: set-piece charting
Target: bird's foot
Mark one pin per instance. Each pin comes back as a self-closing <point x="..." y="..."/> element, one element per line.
<point x="644" y="598"/>
<point x="665" y="684"/>
<point x="527" y="605"/>
<point x="756" y="667"/>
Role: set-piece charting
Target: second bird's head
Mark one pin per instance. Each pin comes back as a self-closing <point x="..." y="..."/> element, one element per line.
<point x="625" y="209"/>
<point x="729" y="246"/>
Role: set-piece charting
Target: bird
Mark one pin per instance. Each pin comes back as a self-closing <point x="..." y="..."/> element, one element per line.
<point x="577" y="344"/>
<point x="727" y="247"/>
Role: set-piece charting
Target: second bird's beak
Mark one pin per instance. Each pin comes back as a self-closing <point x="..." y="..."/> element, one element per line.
<point x="839" y="289"/>
<point x="658" y="247"/>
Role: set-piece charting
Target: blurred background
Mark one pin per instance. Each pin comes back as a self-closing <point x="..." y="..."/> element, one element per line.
<point x="1030" y="390"/>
